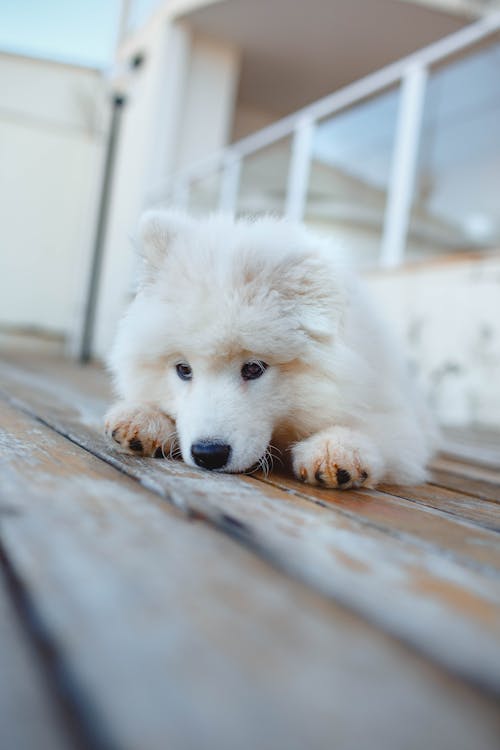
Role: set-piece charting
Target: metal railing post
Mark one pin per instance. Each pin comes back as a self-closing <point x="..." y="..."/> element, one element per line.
<point x="404" y="166"/>
<point x="298" y="173"/>
<point x="92" y="298"/>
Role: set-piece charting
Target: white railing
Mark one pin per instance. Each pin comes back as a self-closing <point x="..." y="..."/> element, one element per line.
<point x="410" y="73"/>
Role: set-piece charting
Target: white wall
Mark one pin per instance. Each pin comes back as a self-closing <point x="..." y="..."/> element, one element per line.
<point x="448" y="314"/>
<point x="51" y="145"/>
<point x="209" y="98"/>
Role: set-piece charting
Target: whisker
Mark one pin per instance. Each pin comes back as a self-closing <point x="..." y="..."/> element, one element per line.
<point x="254" y="469"/>
<point x="265" y="463"/>
<point x="173" y="450"/>
<point x="275" y="448"/>
<point x="271" y="461"/>
<point x="276" y="454"/>
<point x="265" y="466"/>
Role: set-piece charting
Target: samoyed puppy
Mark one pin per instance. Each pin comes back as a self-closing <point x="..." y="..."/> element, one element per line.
<point x="247" y="338"/>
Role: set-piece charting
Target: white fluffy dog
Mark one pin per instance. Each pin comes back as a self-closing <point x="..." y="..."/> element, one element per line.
<point x="249" y="335"/>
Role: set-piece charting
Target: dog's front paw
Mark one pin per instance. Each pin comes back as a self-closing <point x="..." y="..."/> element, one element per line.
<point x="339" y="458"/>
<point x="141" y="430"/>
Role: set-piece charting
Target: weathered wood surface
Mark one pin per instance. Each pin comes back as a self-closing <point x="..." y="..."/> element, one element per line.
<point x="419" y="571"/>
<point x="457" y="475"/>
<point x="463" y="540"/>
<point x="476" y="446"/>
<point x="174" y="636"/>
<point x="29" y="719"/>
<point x="466" y="507"/>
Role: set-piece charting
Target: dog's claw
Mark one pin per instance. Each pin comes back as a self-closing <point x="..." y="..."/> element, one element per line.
<point x="319" y="476"/>
<point x="136" y="445"/>
<point x="343" y="477"/>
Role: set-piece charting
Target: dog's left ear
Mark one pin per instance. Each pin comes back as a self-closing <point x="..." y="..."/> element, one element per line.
<point x="157" y="231"/>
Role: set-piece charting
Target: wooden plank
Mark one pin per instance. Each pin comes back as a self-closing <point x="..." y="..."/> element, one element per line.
<point x="392" y="513"/>
<point x="90" y="390"/>
<point x="184" y="639"/>
<point x="476" y="488"/>
<point x="478" y="446"/>
<point x="29" y="719"/>
<point x="467" y="469"/>
<point x="455" y="503"/>
<point x="462" y="539"/>
<point x="458" y="476"/>
<point x="438" y="605"/>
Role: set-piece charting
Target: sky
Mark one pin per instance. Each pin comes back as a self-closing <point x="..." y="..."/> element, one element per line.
<point x="75" y="31"/>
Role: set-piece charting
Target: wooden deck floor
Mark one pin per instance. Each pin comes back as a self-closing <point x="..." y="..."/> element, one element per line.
<point x="145" y="605"/>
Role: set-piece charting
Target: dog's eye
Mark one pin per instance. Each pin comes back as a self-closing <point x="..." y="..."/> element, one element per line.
<point x="253" y="370"/>
<point x="184" y="371"/>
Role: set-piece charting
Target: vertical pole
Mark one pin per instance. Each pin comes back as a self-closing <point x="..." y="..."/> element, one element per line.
<point x="100" y="235"/>
<point x="404" y="166"/>
<point x="298" y="173"/>
<point x="230" y="185"/>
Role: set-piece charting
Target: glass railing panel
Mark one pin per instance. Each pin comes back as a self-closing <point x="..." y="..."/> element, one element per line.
<point x="263" y="180"/>
<point x="456" y="204"/>
<point x="349" y="178"/>
<point x="204" y="194"/>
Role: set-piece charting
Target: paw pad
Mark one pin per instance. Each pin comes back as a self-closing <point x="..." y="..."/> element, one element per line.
<point x="319" y="476"/>
<point x="136" y="445"/>
<point x="343" y="477"/>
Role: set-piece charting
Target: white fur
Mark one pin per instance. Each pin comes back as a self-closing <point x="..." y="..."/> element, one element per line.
<point x="217" y="293"/>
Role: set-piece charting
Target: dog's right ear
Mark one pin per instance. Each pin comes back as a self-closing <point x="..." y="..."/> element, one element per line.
<point x="157" y="232"/>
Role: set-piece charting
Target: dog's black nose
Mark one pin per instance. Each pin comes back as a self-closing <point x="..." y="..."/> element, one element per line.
<point x="210" y="454"/>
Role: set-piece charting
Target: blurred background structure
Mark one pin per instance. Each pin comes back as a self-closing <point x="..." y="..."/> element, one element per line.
<point x="375" y="121"/>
